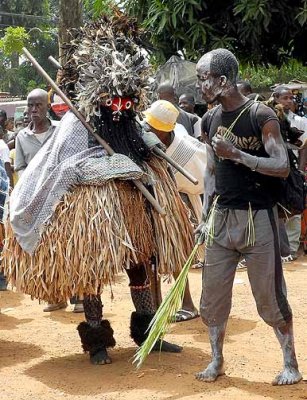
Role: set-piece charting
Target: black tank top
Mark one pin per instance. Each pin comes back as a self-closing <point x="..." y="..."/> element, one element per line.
<point x="237" y="185"/>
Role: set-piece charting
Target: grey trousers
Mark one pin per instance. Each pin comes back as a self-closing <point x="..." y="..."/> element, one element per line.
<point x="264" y="267"/>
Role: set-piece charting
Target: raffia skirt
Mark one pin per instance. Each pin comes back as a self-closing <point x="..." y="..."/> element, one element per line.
<point x="95" y="232"/>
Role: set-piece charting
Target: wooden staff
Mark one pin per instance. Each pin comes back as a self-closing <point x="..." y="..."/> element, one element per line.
<point x="155" y="149"/>
<point x="102" y="142"/>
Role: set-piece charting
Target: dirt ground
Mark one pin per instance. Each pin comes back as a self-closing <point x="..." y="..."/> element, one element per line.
<point x="41" y="357"/>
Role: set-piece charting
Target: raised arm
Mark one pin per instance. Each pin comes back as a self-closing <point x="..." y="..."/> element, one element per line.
<point x="277" y="164"/>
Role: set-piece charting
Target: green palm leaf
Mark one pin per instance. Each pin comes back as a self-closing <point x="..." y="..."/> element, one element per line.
<point x="165" y="313"/>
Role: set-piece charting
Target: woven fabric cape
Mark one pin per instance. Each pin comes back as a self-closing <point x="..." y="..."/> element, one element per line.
<point x="64" y="161"/>
<point x="75" y="226"/>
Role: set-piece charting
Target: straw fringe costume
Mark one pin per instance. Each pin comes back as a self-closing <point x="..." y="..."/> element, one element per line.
<point x="76" y="218"/>
<point x="112" y="216"/>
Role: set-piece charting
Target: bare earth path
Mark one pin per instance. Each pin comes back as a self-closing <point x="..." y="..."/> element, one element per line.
<point x="41" y="357"/>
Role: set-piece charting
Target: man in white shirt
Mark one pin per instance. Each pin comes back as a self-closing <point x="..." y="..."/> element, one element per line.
<point x="30" y="139"/>
<point x="190" y="154"/>
<point x="284" y="96"/>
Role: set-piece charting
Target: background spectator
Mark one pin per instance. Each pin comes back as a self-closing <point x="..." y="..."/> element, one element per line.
<point x="191" y="122"/>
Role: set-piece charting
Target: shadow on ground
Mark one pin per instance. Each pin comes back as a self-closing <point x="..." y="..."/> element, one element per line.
<point x="12" y="353"/>
<point x="173" y="376"/>
<point x="8" y="298"/>
<point x="7" y="322"/>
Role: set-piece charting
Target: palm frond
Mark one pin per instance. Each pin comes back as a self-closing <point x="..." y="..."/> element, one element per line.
<point x="210" y="223"/>
<point x="250" y="236"/>
<point x="165" y="313"/>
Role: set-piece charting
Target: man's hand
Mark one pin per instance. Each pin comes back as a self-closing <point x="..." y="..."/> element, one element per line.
<point x="200" y="233"/>
<point x="223" y="148"/>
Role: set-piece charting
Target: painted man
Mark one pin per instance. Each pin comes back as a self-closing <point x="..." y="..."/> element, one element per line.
<point x="241" y="185"/>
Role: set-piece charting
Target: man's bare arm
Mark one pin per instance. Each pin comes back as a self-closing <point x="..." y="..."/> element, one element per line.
<point x="277" y="164"/>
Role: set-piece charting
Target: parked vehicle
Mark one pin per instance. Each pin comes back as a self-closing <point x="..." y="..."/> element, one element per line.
<point x="11" y="106"/>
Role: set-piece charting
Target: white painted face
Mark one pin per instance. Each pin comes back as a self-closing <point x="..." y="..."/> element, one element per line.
<point x="212" y="86"/>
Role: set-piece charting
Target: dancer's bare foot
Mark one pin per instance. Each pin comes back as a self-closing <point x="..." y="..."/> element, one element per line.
<point x="100" y="358"/>
<point x="289" y="376"/>
<point x="210" y="374"/>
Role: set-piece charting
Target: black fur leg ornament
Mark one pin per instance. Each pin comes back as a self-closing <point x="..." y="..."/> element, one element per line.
<point x="96" y="340"/>
<point x="138" y="326"/>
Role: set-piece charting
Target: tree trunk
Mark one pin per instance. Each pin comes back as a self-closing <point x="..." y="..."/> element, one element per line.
<point x="14" y="60"/>
<point x="70" y="17"/>
<point x="13" y="88"/>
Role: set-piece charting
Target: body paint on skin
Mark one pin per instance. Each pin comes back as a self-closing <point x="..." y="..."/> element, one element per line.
<point x="290" y="374"/>
<point x="216" y="367"/>
<point x="277" y="164"/>
<point x="212" y="87"/>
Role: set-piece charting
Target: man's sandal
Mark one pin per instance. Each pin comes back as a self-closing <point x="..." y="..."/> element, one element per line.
<point x="185" y="315"/>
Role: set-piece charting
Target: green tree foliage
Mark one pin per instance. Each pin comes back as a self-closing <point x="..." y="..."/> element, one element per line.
<point x="13" y="40"/>
<point x="25" y="13"/>
<point x="26" y="23"/>
<point x="15" y="78"/>
<point x="261" y="77"/>
<point x="94" y="8"/>
<point x="262" y="31"/>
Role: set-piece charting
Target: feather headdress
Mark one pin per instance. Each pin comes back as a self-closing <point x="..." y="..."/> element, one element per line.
<point x="106" y="61"/>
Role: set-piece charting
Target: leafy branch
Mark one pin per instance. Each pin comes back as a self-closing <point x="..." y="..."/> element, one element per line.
<point x="14" y="40"/>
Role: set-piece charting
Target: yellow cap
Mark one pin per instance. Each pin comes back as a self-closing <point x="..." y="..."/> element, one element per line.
<point x="162" y="115"/>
